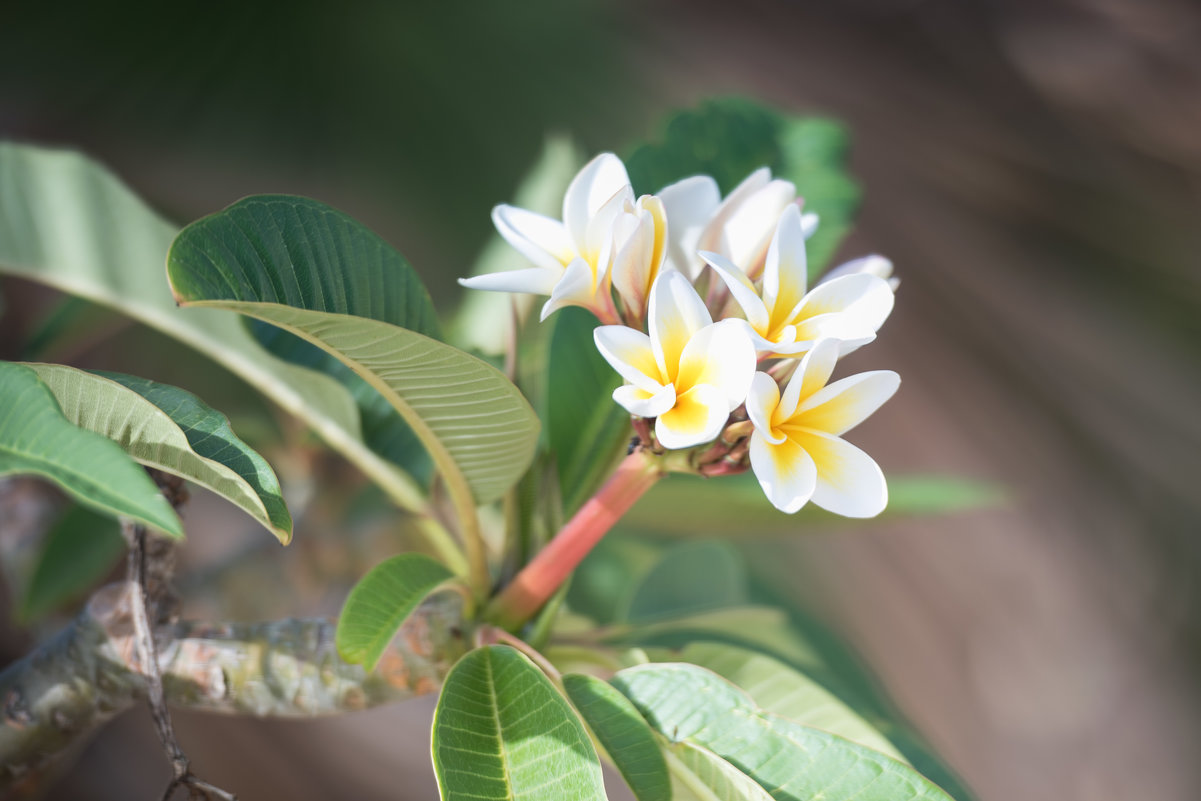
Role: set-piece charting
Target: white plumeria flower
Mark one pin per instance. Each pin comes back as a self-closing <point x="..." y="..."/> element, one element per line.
<point x="738" y="227"/>
<point x="689" y="373"/>
<point x="572" y="257"/>
<point x="796" y="448"/>
<point x="785" y="318"/>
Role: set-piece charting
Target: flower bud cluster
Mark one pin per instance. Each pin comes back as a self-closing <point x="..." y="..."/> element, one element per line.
<point x="708" y="316"/>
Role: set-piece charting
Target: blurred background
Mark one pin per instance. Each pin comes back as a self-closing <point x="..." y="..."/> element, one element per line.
<point x="1032" y="168"/>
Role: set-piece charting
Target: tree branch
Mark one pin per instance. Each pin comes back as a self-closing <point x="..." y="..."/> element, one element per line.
<point x="287" y="668"/>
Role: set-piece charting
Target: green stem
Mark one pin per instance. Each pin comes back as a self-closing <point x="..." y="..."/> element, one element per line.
<point x="538" y="580"/>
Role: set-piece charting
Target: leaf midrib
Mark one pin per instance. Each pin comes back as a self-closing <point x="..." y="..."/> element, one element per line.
<point x="500" y="731"/>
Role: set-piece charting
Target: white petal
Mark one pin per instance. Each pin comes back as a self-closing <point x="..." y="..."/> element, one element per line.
<point x="719" y="355"/>
<point x="748" y="187"/>
<point x="809" y="222"/>
<point x="747" y="232"/>
<point x="711" y="236"/>
<point x="849" y="482"/>
<point x="634" y="253"/>
<point x="852" y="345"/>
<point x="786" y="344"/>
<point x="698" y="416"/>
<point x="741" y="288"/>
<point x="865" y="299"/>
<point x="836" y="325"/>
<point x="676" y="313"/>
<point x="577" y="287"/>
<point x="785" y="273"/>
<point x="540" y="239"/>
<point x="653" y="206"/>
<point x="598" y="181"/>
<point x="871" y="265"/>
<point x="785" y="471"/>
<point x="641" y="403"/>
<point x="535" y="281"/>
<point x="629" y="352"/>
<point x="598" y="234"/>
<point x="839" y="407"/>
<point x="688" y="205"/>
<point x="761" y="402"/>
<point x="810" y="376"/>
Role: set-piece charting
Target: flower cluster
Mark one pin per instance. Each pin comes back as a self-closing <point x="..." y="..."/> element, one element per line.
<point x="708" y="316"/>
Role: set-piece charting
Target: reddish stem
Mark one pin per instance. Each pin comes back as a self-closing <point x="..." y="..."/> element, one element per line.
<point x="537" y="581"/>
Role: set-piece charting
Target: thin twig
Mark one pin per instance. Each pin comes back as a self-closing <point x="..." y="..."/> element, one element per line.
<point x="182" y="775"/>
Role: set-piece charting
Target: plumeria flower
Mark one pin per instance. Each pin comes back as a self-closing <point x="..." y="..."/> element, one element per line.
<point x="689" y="373"/>
<point x="784" y="316"/>
<point x="797" y="451"/>
<point x="601" y="240"/>
<point x="737" y="228"/>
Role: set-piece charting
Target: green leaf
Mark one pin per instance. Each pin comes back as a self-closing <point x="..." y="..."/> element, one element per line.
<point x="688" y="506"/>
<point x="67" y="222"/>
<point x="502" y="731"/>
<point x="764" y="628"/>
<point x="689" y="577"/>
<point x="792" y="762"/>
<point x="779" y="689"/>
<point x="36" y="439"/>
<point x="608" y="576"/>
<point x="210" y="435"/>
<point x="701" y="775"/>
<point x="383" y="428"/>
<point x="299" y="252"/>
<point x="79" y="550"/>
<point x="69" y="323"/>
<point x="255" y="256"/>
<point x="624" y="735"/>
<point x="148" y="434"/>
<point x="303" y="253"/>
<point x="732" y="137"/>
<point x="476" y="426"/>
<point x="381" y="601"/>
<point x="586" y="430"/>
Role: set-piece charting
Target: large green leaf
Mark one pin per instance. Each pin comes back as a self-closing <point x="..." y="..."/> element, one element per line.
<point x="732" y="137"/>
<point x="792" y="762"/>
<point x="698" y="774"/>
<point x="150" y="435"/>
<point x="629" y="569"/>
<point x="502" y="731"/>
<point x="67" y="222"/>
<point x="381" y="601"/>
<point x="779" y="689"/>
<point x="36" y="439"/>
<point x="79" y="549"/>
<point x="624" y="735"/>
<point x="476" y="426"/>
<point x="299" y="252"/>
<point x="610" y="573"/>
<point x="689" y="577"/>
<point x="211" y="436"/>
<point x="763" y="628"/>
<point x="312" y="256"/>
<point x="294" y="264"/>
<point x="586" y="430"/>
<point x="688" y="506"/>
